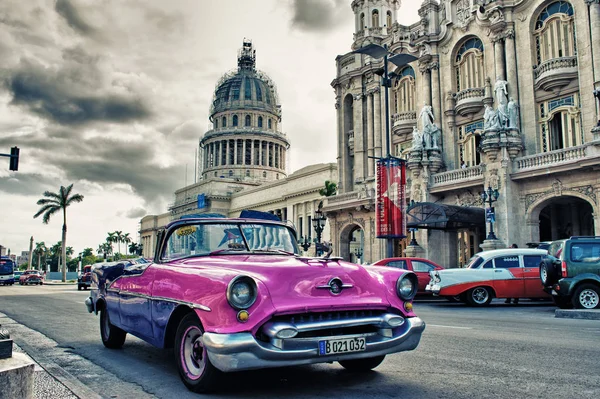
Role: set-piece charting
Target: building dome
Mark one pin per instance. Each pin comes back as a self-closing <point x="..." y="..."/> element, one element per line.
<point x="245" y="142"/>
<point x="245" y="88"/>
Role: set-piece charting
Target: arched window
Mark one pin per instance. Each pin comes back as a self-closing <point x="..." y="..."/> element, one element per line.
<point x="231" y="173"/>
<point x="468" y="65"/>
<point x="247" y="89"/>
<point x="224" y="122"/>
<point x="269" y="124"/>
<point x="362" y="22"/>
<point x="248" y="120"/>
<point x="260" y="119"/>
<point x="389" y="19"/>
<point x="216" y="124"/>
<point x="404" y="91"/>
<point x="247" y="173"/>
<point x="375" y="19"/>
<point x="469" y="137"/>
<point x="259" y="96"/>
<point x="264" y="174"/>
<point x="560" y="125"/>
<point x="555" y="32"/>
<point x="235" y="120"/>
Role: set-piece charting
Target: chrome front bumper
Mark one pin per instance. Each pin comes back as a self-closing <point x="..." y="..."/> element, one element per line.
<point x="241" y="351"/>
<point x="433" y="288"/>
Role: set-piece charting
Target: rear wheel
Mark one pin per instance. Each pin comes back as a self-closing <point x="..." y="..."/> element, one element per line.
<point x="362" y="364"/>
<point x="587" y="296"/>
<point x="194" y="366"/>
<point x="479" y="296"/>
<point x="112" y="336"/>
<point x="548" y="273"/>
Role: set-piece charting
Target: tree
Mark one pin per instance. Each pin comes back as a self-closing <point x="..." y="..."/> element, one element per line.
<point x="112" y="238"/>
<point x="54" y="203"/>
<point x="87" y="252"/>
<point x="134" y="248"/>
<point x="118" y="240"/>
<point x="126" y="239"/>
<point x="329" y="189"/>
<point x="40" y="249"/>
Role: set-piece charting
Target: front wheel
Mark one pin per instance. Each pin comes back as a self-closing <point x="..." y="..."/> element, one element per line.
<point x="195" y="369"/>
<point x="479" y="296"/>
<point x="587" y="296"/>
<point x="112" y="336"/>
<point x="362" y="364"/>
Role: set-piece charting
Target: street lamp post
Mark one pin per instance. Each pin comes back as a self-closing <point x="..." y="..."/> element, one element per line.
<point x="319" y="224"/>
<point x="304" y="243"/>
<point x="400" y="60"/>
<point x="490" y="196"/>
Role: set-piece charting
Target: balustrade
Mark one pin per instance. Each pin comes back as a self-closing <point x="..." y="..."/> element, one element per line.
<point x="551" y="158"/>
<point x="553" y="64"/>
<point x="457" y="175"/>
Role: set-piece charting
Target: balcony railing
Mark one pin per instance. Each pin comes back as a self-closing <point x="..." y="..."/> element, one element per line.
<point x="474" y="92"/>
<point x="458" y="175"/>
<point x="408" y="116"/>
<point x="343" y="197"/>
<point x="553" y="64"/>
<point x="469" y="101"/>
<point x="552" y="158"/>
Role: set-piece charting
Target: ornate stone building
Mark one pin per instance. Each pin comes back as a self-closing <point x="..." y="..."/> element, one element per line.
<point x="243" y="160"/>
<point x="503" y="94"/>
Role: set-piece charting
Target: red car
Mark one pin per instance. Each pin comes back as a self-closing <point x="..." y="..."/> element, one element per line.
<point x="421" y="267"/>
<point x="31" y="277"/>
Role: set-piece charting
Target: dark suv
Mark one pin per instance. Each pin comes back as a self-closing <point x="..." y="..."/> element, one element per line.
<point x="571" y="272"/>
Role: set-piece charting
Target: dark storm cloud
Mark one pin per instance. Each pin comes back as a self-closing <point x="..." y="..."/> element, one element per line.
<point x="134" y="213"/>
<point x="73" y="17"/>
<point x="66" y="95"/>
<point x="317" y="15"/>
<point x="26" y="184"/>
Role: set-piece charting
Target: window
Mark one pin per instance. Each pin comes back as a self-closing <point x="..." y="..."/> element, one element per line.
<point x="399" y="264"/>
<point x="404" y="91"/>
<point x="419" y="266"/>
<point x="362" y="22"/>
<point x="248" y="120"/>
<point x="260" y="119"/>
<point x="235" y="120"/>
<point x="532" y="261"/>
<point x="224" y="122"/>
<point x="375" y="19"/>
<point x="560" y="125"/>
<point x="248" y="89"/>
<point x="389" y="20"/>
<point x="487" y="265"/>
<point x="474" y="262"/>
<point x="585" y="252"/>
<point x="235" y="90"/>
<point x="216" y="124"/>
<point x="270" y="124"/>
<point x="506" y="262"/>
<point x="258" y="89"/>
<point x="468" y="65"/>
<point x="231" y="173"/>
<point x="264" y="174"/>
<point x="300" y="229"/>
<point x="247" y="173"/>
<point x="555" y="32"/>
<point x="469" y="137"/>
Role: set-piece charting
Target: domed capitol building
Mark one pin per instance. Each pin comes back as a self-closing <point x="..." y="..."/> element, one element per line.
<point x="243" y="159"/>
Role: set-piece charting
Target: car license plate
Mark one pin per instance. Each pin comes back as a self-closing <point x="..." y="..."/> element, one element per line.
<point x="334" y="346"/>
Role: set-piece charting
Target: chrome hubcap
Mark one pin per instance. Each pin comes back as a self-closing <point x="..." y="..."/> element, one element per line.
<point x="193" y="353"/>
<point x="589" y="299"/>
<point x="544" y="275"/>
<point x="480" y="295"/>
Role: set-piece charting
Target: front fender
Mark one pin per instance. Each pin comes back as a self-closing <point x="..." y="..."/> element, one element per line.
<point x="569" y="285"/>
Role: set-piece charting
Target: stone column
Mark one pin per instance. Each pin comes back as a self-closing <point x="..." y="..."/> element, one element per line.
<point x="227" y="149"/>
<point x="235" y="146"/>
<point x="594" y="6"/>
<point x="359" y="144"/>
<point x="435" y="95"/>
<point x="267" y="154"/>
<point x="511" y="65"/>
<point x="219" y="145"/>
<point x="341" y="142"/>
<point x="426" y="83"/>
<point x="377" y="122"/>
<point x="370" y="137"/>
<point x="499" y="59"/>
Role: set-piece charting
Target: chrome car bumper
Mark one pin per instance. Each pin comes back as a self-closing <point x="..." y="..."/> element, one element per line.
<point x="433" y="288"/>
<point x="241" y="351"/>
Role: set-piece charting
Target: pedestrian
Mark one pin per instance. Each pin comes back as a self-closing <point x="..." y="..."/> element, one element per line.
<point x="514" y="246"/>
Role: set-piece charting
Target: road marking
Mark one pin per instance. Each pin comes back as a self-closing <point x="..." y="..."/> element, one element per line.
<point x="459" y="328"/>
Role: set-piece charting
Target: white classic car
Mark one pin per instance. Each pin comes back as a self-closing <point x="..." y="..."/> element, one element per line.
<point x="501" y="273"/>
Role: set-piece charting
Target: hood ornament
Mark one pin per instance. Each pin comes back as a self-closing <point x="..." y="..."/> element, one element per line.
<point x="335" y="286"/>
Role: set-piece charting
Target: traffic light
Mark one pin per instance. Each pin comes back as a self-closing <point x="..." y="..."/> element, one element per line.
<point x="14" y="158"/>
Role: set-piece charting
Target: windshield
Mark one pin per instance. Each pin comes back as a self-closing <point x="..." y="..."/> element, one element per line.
<point x="6" y="266"/>
<point x="475" y="262"/>
<point x="201" y="239"/>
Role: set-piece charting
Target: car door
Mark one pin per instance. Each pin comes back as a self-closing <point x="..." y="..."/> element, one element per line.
<point x="135" y="289"/>
<point x="422" y="269"/>
<point x="508" y="276"/>
<point x="531" y="276"/>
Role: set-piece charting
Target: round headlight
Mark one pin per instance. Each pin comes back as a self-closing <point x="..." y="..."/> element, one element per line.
<point x="241" y="292"/>
<point x="406" y="287"/>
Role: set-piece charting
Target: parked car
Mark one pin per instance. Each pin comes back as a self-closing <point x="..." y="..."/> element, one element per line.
<point x="500" y="273"/>
<point x="85" y="278"/>
<point x="420" y="266"/>
<point x="571" y="272"/>
<point x="235" y="294"/>
<point x="31" y="277"/>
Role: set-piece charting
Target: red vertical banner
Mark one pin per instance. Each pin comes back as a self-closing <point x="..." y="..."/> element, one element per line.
<point x="391" y="198"/>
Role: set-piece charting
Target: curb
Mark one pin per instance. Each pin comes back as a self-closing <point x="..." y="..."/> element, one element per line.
<point x="583" y="314"/>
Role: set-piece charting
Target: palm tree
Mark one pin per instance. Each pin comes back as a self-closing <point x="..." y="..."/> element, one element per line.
<point x="329" y="189"/>
<point x="51" y="205"/>
<point x="112" y="238"/>
<point x="118" y="240"/>
<point x="40" y="249"/>
<point x="126" y="239"/>
<point x="134" y="248"/>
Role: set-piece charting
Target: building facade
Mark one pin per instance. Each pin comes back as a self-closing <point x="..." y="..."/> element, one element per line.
<point x="243" y="161"/>
<point x="502" y="95"/>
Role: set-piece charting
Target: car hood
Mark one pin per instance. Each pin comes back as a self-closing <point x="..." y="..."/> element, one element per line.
<point x="297" y="284"/>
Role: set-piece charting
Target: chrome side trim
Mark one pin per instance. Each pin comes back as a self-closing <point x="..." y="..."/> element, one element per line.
<point x="165" y="299"/>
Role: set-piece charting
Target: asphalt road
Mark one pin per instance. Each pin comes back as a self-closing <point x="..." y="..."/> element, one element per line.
<point x="504" y="351"/>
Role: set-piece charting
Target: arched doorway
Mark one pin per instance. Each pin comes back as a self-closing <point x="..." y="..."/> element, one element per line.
<point x="566" y="216"/>
<point x="352" y="239"/>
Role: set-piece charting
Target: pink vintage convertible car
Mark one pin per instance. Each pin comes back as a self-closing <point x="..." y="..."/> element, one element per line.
<point x="234" y="294"/>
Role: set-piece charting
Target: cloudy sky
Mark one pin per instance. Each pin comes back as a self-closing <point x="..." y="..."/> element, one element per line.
<point x="113" y="95"/>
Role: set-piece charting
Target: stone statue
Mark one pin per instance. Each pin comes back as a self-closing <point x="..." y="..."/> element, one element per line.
<point x="494" y="179"/>
<point x="417" y="139"/>
<point x="513" y="113"/>
<point x="502" y="99"/>
<point x="435" y="138"/>
<point x="427" y="139"/>
<point x="416" y="193"/>
<point x="490" y="119"/>
<point x="426" y="117"/>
